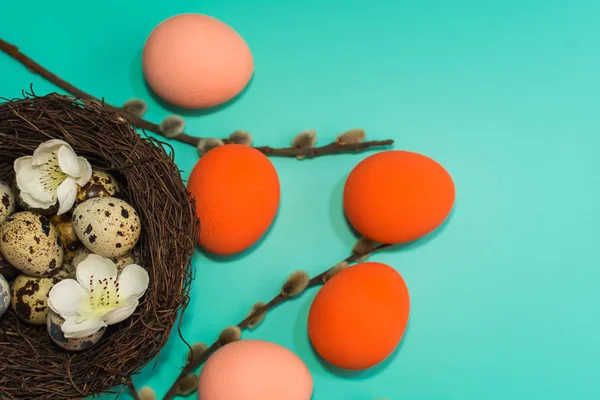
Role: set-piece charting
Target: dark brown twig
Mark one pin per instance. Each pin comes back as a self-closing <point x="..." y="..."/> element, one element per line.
<point x="332" y="148"/>
<point x="132" y="390"/>
<point x="275" y="301"/>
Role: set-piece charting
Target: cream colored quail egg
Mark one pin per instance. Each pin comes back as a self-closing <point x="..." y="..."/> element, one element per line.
<point x="7" y="198"/>
<point x="101" y="184"/>
<point x="30" y="243"/>
<point x="107" y="226"/>
<point x="54" y="323"/>
<point x="30" y="297"/>
<point x="4" y="295"/>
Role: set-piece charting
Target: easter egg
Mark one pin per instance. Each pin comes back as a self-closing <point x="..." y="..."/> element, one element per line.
<point x="7" y="198"/>
<point x="236" y="190"/>
<point x="4" y="295"/>
<point x="196" y="61"/>
<point x="30" y="296"/>
<point x="358" y="317"/>
<point x="398" y="196"/>
<point x="254" y="369"/>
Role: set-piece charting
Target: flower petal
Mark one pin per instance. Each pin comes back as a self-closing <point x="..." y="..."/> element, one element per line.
<point x="95" y="268"/>
<point x="41" y="153"/>
<point x="66" y="193"/>
<point x="74" y="329"/>
<point x="133" y="282"/>
<point x="68" y="162"/>
<point x="68" y="298"/>
<point x="33" y="203"/>
<point x="86" y="171"/>
<point x="122" y="313"/>
<point x="31" y="179"/>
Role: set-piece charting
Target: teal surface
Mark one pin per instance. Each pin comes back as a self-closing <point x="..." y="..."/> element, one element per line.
<point x="504" y="94"/>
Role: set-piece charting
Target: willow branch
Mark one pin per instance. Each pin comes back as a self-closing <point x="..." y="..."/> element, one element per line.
<point x="332" y="148"/>
<point x="132" y="390"/>
<point x="316" y="280"/>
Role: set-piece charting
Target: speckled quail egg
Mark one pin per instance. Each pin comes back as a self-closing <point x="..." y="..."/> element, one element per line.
<point x="7" y="270"/>
<point x="101" y="184"/>
<point x="54" y="323"/>
<point x="64" y="227"/>
<point x="4" y="295"/>
<point x="30" y="297"/>
<point x="120" y="261"/>
<point x="7" y="198"/>
<point x="107" y="226"/>
<point x="43" y="211"/>
<point x="31" y="244"/>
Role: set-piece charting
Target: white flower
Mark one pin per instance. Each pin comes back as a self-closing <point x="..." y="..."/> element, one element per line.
<point x="98" y="297"/>
<point x="51" y="174"/>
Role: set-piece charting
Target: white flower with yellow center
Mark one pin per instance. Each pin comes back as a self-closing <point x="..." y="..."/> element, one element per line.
<point x="51" y="174"/>
<point x="99" y="297"/>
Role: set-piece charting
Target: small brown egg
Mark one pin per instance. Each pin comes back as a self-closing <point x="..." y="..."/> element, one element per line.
<point x="7" y="199"/>
<point x="7" y="270"/>
<point x="30" y="297"/>
<point x="101" y="184"/>
<point x="30" y="243"/>
<point x="107" y="226"/>
<point x="64" y="226"/>
<point x="54" y="323"/>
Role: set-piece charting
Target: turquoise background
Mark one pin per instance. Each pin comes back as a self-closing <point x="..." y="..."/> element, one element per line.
<point x="504" y="94"/>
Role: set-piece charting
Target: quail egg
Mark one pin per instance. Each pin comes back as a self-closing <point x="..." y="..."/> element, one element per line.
<point x="100" y="184"/>
<point x="7" y="197"/>
<point x="54" y="323"/>
<point x="30" y="297"/>
<point x="64" y="227"/>
<point x="30" y="243"/>
<point x="4" y="295"/>
<point x="120" y="261"/>
<point x="7" y="270"/>
<point x="21" y="203"/>
<point x="107" y="226"/>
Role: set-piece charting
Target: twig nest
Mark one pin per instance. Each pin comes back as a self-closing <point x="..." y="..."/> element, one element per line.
<point x="4" y="295"/>
<point x="53" y="325"/>
<point x="30" y="243"/>
<point x="196" y="61"/>
<point x="107" y="226"/>
<point x="254" y="369"/>
<point x="398" y="196"/>
<point x="7" y="201"/>
<point x="101" y="184"/>
<point x="236" y="189"/>
<point x="374" y="300"/>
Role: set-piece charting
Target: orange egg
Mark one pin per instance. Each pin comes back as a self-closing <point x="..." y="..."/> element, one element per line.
<point x="398" y="196"/>
<point x="359" y="317"/>
<point x="236" y="190"/>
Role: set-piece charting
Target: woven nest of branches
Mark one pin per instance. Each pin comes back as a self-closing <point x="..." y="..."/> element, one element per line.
<point x="31" y="366"/>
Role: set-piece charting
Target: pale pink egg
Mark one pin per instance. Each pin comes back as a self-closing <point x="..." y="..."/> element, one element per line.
<point x="196" y="61"/>
<point x="254" y="370"/>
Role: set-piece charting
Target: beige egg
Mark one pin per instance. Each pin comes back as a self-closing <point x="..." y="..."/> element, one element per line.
<point x="30" y="243"/>
<point x="54" y="323"/>
<point x="29" y="298"/>
<point x="119" y="261"/>
<point x="100" y="184"/>
<point x="7" y="199"/>
<point x="64" y="227"/>
<point x="107" y="226"/>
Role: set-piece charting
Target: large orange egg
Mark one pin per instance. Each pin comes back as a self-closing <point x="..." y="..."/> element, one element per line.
<point x="398" y="196"/>
<point x="359" y="317"/>
<point x="236" y="190"/>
